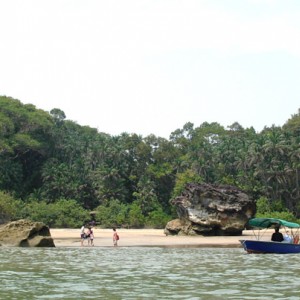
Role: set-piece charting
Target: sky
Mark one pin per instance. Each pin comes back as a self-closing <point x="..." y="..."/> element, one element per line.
<point x="151" y="66"/>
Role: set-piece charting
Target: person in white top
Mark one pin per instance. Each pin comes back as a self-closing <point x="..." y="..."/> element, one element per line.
<point x="82" y="235"/>
<point x="287" y="238"/>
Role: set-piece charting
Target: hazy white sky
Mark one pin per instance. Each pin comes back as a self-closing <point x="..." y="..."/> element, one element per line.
<point x="150" y="66"/>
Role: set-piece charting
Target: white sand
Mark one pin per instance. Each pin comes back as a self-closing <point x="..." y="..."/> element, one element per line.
<point x="147" y="237"/>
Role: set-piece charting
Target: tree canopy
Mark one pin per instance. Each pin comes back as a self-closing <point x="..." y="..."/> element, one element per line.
<point x="47" y="162"/>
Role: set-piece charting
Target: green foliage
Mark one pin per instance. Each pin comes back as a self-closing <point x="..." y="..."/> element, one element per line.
<point x="58" y="115"/>
<point x="263" y="206"/>
<point x="61" y="214"/>
<point x="10" y="175"/>
<point x="114" y="214"/>
<point x="68" y="213"/>
<point x="265" y="209"/>
<point x="157" y="219"/>
<point x="293" y="124"/>
<point x="48" y="158"/>
<point x="145" y="196"/>
<point x="182" y="179"/>
<point x="7" y="208"/>
<point x="25" y="135"/>
<point x="284" y="215"/>
<point x="136" y="218"/>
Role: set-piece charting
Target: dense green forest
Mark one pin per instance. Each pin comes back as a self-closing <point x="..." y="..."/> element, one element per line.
<point x="56" y="171"/>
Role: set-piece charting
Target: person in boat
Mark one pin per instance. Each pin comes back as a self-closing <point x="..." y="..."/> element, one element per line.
<point x="287" y="237"/>
<point x="277" y="236"/>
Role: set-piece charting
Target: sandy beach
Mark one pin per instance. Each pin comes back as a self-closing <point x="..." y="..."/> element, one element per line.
<point x="148" y="237"/>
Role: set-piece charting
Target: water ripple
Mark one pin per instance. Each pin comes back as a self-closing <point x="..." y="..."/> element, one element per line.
<point x="146" y="273"/>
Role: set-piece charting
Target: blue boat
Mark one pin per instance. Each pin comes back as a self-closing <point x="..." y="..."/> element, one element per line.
<point x="262" y="246"/>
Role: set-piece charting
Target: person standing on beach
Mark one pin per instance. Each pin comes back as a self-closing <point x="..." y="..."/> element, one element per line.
<point x="90" y="236"/>
<point x="82" y="235"/>
<point x="115" y="237"/>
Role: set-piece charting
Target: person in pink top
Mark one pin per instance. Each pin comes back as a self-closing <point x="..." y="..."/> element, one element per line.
<point x="115" y="237"/>
<point x="90" y="235"/>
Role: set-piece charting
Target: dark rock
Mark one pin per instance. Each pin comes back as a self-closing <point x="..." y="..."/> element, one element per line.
<point x="211" y="210"/>
<point x="25" y="233"/>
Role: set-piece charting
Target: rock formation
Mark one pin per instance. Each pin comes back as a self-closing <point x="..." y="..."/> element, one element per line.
<point x="211" y="210"/>
<point x="25" y="233"/>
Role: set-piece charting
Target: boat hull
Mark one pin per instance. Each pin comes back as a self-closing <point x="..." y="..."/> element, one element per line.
<point x="253" y="246"/>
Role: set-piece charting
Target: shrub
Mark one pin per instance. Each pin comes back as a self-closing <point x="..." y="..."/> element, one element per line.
<point x="7" y="208"/>
<point x="136" y="218"/>
<point x="114" y="214"/>
<point x="61" y="214"/>
<point x="276" y="210"/>
<point x="157" y="219"/>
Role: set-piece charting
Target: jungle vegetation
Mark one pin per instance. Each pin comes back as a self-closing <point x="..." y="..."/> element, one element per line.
<point x="56" y="171"/>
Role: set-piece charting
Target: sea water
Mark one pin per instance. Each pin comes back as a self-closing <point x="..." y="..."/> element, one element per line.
<point x="146" y="273"/>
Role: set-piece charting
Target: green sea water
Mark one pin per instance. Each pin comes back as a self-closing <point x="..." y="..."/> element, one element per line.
<point x="146" y="273"/>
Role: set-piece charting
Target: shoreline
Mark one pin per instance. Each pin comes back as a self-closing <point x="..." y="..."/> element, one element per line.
<point x="149" y="238"/>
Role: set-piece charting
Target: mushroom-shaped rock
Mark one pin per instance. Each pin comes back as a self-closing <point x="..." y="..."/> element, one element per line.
<point x="211" y="210"/>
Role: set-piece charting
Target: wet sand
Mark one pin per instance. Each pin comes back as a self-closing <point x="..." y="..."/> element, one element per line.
<point x="148" y="237"/>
